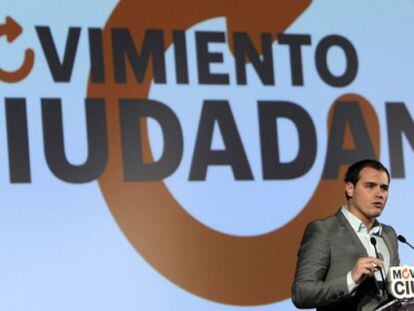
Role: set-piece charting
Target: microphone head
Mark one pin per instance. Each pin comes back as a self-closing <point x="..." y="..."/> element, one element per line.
<point x="401" y="239"/>
<point x="373" y="241"/>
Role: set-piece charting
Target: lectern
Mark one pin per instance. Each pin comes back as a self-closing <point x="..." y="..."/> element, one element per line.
<point x="400" y="284"/>
<point x="397" y="305"/>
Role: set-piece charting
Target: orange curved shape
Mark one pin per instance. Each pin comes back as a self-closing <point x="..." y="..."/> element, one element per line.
<point x="22" y="72"/>
<point x="229" y="269"/>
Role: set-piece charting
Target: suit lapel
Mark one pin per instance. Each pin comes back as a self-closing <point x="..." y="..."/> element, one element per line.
<point x="387" y="241"/>
<point x="351" y="234"/>
<point x="357" y="242"/>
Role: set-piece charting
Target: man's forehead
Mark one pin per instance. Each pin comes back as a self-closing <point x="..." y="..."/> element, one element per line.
<point x="368" y="174"/>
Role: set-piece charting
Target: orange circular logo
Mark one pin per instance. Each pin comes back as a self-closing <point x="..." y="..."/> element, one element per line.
<point x="220" y="267"/>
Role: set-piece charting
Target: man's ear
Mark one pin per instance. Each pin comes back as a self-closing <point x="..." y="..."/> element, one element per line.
<point x="349" y="189"/>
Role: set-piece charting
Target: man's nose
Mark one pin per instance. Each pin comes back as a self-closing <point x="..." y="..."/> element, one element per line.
<point x="379" y="193"/>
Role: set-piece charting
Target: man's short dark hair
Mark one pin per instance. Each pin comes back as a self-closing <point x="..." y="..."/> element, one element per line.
<point x="352" y="174"/>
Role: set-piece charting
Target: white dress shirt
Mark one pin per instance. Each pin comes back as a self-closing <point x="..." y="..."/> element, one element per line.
<point x="365" y="236"/>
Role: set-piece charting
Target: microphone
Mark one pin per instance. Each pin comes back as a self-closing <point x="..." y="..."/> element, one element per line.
<point x="402" y="239"/>
<point x="374" y="243"/>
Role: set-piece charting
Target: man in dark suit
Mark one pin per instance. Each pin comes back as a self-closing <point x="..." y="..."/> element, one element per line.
<point x="337" y="268"/>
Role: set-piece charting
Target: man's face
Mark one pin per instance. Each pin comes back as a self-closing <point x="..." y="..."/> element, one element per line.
<point x="369" y="195"/>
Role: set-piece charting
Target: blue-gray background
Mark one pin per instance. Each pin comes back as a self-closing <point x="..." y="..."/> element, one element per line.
<point x="60" y="247"/>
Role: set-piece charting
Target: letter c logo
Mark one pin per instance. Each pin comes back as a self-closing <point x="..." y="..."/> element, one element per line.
<point x="12" y="30"/>
<point x="229" y="269"/>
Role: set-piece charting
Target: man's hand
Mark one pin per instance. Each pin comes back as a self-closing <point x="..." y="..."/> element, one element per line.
<point x="365" y="267"/>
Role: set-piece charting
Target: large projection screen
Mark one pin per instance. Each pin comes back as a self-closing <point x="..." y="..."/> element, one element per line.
<point x="161" y="155"/>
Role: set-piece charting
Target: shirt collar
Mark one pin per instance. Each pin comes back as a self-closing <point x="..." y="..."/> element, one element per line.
<point x="357" y="224"/>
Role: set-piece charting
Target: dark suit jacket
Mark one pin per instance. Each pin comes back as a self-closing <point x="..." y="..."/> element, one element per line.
<point x="329" y="250"/>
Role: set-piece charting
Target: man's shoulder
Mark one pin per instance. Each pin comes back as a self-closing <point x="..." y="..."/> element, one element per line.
<point x="332" y="219"/>
<point x="327" y="223"/>
<point x="388" y="229"/>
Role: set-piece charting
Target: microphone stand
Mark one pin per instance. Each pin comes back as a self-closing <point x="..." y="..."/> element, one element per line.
<point x="402" y="239"/>
<point x="374" y="243"/>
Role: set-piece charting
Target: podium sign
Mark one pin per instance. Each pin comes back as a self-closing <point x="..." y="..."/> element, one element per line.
<point x="401" y="282"/>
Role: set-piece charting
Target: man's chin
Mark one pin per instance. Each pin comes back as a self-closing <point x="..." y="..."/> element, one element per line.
<point x="375" y="213"/>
